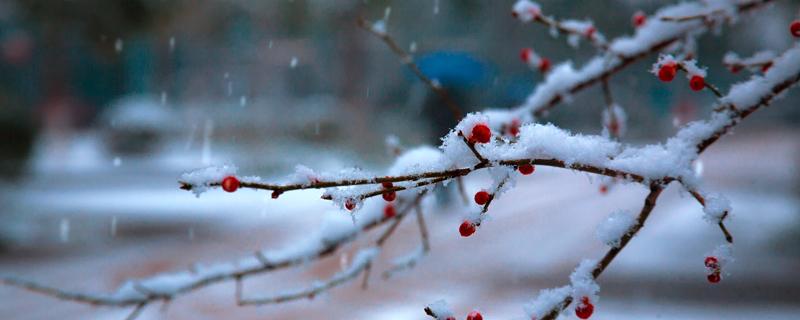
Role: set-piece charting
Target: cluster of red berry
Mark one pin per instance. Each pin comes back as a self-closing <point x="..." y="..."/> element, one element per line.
<point x="585" y="309"/>
<point x="474" y="315"/>
<point x="794" y="28"/>
<point x="528" y="56"/>
<point x="482" y="134"/>
<point x="388" y="210"/>
<point x="714" y="270"/>
<point x="668" y="71"/>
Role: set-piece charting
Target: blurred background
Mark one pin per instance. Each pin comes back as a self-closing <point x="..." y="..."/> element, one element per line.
<point x="104" y="103"/>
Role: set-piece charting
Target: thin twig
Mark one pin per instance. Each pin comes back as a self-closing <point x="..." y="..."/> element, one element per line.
<point x="647" y="208"/>
<point x="408" y="60"/>
<point x="136" y="311"/>
<point x="471" y="146"/>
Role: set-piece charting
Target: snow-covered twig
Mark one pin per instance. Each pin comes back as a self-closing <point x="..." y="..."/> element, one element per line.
<point x="526" y="11"/>
<point x="164" y="287"/>
<point x="412" y="259"/>
<point x="650" y="38"/>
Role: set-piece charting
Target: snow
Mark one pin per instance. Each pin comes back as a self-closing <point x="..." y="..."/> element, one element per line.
<point x="663" y="59"/>
<point x="526" y="10"/>
<point x="546" y="301"/>
<point x="440" y="309"/>
<point x="750" y="92"/>
<point x="731" y="58"/>
<point x="692" y="69"/>
<point x="582" y="282"/>
<point x="563" y="77"/>
<point x="615" y="227"/>
<point x="724" y="255"/>
<point x="716" y="206"/>
<point x="201" y="179"/>
<point x="419" y="160"/>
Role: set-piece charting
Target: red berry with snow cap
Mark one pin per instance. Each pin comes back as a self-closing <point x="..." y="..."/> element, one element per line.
<point x="544" y="65"/>
<point x="230" y="184"/>
<point x="794" y="27"/>
<point x="474" y="315"/>
<point x="590" y="31"/>
<point x="714" y="277"/>
<point x="585" y="309"/>
<point x="389" y="211"/>
<point x="712" y="262"/>
<point x="466" y="228"/>
<point x="480" y="134"/>
<point x="481" y="197"/>
<point x="697" y="83"/>
<point x="389" y="196"/>
<point x="638" y="19"/>
<point x="350" y="204"/>
<point x="525" y="54"/>
<point x="513" y="128"/>
<point x="526" y="169"/>
<point x="667" y="71"/>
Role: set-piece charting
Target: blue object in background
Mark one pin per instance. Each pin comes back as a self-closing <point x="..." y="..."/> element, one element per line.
<point x="454" y="69"/>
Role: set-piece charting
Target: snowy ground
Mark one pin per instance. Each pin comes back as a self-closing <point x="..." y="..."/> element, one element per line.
<point x="539" y="232"/>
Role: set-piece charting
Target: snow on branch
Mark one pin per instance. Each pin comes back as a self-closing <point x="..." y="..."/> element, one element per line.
<point x="649" y="38"/>
<point x="164" y="287"/>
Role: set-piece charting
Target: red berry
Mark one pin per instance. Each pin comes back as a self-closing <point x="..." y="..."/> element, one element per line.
<point x="387" y="184"/>
<point x="603" y="189"/>
<point x="667" y="72"/>
<point x="712" y="262"/>
<point x="276" y="194"/>
<point x="513" y="129"/>
<point x="349" y="204"/>
<point x="389" y="211"/>
<point x="613" y="127"/>
<point x="230" y="184"/>
<point x="480" y="134"/>
<point x="525" y="54"/>
<point x="697" y="83"/>
<point x="514" y="14"/>
<point x="736" y="68"/>
<point x="474" y="315"/>
<point x="466" y="229"/>
<point x="526" y="169"/>
<point x="389" y="196"/>
<point x="585" y="309"/>
<point x="766" y="67"/>
<point x="714" y="277"/>
<point x="795" y="28"/>
<point x="639" y="18"/>
<point x="590" y="31"/>
<point x="450" y="318"/>
<point x="481" y="197"/>
<point x="544" y="65"/>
